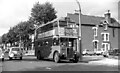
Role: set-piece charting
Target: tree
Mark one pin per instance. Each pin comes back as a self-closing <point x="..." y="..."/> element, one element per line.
<point x="12" y="35"/>
<point x="4" y="38"/>
<point x="21" y="31"/>
<point x="43" y="13"/>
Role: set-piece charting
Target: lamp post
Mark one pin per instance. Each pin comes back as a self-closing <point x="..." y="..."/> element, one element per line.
<point x="79" y="45"/>
<point x="35" y="28"/>
<point x="20" y="38"/>
<point x="20" y="41"/>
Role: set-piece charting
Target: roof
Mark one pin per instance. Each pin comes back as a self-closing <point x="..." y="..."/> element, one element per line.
<point x="87" y="19"/>
<point x="57" y="19"/>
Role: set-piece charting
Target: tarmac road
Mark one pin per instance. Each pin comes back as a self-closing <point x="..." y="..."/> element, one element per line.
<point x="90" y="63"/>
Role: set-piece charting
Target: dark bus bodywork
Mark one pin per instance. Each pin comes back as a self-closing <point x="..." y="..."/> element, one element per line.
<point x="57" y="40"/>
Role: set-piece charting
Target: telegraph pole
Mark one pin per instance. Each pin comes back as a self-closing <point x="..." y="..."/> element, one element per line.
<point x="79" y="32"/>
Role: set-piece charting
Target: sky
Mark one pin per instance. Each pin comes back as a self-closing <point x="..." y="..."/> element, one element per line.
<point x="14" y="11"/>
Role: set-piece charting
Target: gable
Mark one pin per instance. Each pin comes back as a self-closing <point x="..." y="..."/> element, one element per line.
<point x="91" y="20"/>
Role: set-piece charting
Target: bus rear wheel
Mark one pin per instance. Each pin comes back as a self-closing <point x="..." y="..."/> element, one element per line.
<point x="56" y="57"/>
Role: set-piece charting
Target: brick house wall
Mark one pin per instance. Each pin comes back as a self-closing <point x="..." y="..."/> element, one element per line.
<point x="87" y="37"/>
<point x="113" y="37"/>
<point x="119" y="38"/>
<point x="88" y="22"/>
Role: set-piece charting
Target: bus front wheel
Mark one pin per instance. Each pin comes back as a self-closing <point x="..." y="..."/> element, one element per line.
<point x="56" y="57"/>
<point x="76" y="60"/>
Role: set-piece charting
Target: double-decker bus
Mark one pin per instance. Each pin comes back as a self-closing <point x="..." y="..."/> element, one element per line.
<point x="57" y="40"/>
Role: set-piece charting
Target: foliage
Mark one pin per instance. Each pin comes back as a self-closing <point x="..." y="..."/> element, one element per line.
<point x="43" y="13"/>
<point x="4" y="38"/>
<point x="19" y="32"/>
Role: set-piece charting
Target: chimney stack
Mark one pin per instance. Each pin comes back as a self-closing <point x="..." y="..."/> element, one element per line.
<point x="108" y="16"/>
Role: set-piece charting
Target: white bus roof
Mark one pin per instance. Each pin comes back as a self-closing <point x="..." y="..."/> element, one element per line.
<point x="57" y="19"/>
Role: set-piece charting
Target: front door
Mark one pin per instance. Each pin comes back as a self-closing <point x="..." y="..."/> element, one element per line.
<point x="95" y="45"/>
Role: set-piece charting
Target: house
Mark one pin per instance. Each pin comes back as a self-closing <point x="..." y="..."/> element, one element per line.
<point x="98" y="33"/>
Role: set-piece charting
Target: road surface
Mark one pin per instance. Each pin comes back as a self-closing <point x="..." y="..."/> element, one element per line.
<point x="90" y="63"/>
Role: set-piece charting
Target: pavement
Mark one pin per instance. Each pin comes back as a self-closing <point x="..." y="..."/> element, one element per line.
<point x="99" y="60"/>
<point x="30" y="53"/>
<point x="106" y="61"/>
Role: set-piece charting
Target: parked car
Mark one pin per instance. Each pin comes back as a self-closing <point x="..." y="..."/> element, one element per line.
<point x="107" y="53"/>
<point x="98" y="52"/>
<point x="115" y="52"/>
<point x="88" y="52"/>
<point x="84" y="52"/>
<point x="15" y="52"/>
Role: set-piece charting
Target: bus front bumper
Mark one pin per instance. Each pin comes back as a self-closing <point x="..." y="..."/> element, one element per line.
<point x="64" y="56"/>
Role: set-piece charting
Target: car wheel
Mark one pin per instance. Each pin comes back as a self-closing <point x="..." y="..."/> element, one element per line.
<point x="56" y="57"/>
<point x="20" y="58"/>
<point x="15" y="57"/>
<point x="2" y="59"/>
<point x="10" y="58"/>
<point x="76" y="60"/>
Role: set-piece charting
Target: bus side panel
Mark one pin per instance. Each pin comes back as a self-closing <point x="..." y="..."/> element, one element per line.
<point x="46" y="51"/>
<point x="54" y="48"/>
<point x="45" y="48"/>
<point x="36" y="48"/>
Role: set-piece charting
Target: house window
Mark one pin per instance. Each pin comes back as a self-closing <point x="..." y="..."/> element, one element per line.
<point x="95" y="44"/>
<point x="105" y="46"/>
<point x="113" y="32"/>
<point x="105" y="36"/>
<point x="95" y="30"/>
<point x="105" y="25"/>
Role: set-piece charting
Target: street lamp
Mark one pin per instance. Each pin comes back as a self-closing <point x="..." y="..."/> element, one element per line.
<point x="34" y="36"/>
<point x="79" y="45"/>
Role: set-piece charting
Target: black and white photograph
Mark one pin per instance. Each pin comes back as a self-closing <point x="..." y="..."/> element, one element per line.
<point x="59" y="36"/>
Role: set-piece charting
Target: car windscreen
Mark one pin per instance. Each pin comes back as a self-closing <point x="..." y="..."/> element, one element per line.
<point x="15" y="49"/>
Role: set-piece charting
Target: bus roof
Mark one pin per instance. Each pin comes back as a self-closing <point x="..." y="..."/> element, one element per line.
<point x="61" y="36"/>
<point x="57" y="19"/>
